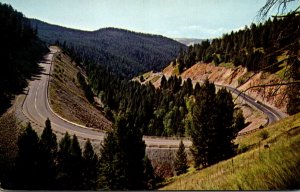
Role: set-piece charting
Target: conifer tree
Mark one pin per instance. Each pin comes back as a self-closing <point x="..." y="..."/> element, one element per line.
<point x="90" y="163"/>
<point x="27" y="173"/>
<point x="239" y="120"/>
<point x="163" y="82"/>
<point x="180" y="163"/>
<point x="47" y="156"/>
<point x="204" y="125"/>
<point x="107" y="163"/>
<point x="226" y="131"/>
<point x="150" y="180"/>
<point x="131" y="154"/>
<point x="63" y="166"/>
<point x="123" y="150"/>
<point x="76" y="165"/>
<point x="69" y="164"/>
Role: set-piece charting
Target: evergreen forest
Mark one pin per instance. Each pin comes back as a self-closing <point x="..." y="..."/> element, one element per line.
<point x="123" y="52"/>
<point x="21" y="49"/>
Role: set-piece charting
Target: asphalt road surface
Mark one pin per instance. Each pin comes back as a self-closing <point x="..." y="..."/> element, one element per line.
<point x="36" y="108"/>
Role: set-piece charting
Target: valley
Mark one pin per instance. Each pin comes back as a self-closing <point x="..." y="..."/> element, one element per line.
<point x="110" y="108"/>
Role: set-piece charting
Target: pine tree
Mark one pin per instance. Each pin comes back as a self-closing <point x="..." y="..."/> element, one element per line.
<point x="76" y="165"/>
<point x="226" y="131"/>
<point x="69" y="164"/>
<point x="150" y="180"/>
<point x="239" y="120"/>
<point x="90" y="162"/>
<point x="27" y="173"/>
<point x="204" y="125"/>
<point x="63" y="166"/>
<point x="123" y="150"/>
<point x="131" y="154"/>
<point x="163" y="82"/>
<point x="180" y="163"/>
<point x="47" y="156"/>
<point x="107" y="163"/>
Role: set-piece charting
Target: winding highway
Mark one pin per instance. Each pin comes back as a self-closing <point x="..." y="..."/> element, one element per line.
<point x="36" y="108"/>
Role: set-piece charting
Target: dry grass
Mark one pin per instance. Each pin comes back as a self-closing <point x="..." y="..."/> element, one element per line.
<point x="260" y="168"/>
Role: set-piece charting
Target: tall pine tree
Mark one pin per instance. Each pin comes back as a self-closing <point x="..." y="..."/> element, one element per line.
<point x="226" y="131"/>
<point x="90" y="165"/>
<point x="204" y="125"/>
<point x="108" y="179"/>
<point x="27" y="170"/>
<point x="47" y="156"/>
<point x="122" y="157"/>
<point x="180" y="163"/>
<point x="69" y="164"/>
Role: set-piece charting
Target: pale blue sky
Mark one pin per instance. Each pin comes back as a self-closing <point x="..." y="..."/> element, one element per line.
<point x="171" y="18"/>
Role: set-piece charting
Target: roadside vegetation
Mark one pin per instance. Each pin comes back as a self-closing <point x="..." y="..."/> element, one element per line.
<point x="269" y="164"/>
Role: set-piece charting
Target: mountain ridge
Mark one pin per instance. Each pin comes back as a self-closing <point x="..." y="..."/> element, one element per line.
<point x="123" y="52"/>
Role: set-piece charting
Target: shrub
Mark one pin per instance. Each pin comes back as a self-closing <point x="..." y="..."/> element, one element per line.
<point x="264" y="134"/>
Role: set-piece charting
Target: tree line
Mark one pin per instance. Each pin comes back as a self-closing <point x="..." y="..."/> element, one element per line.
<point x="43" y="164"/>
<point x="20" y="51"/>
<point x="257" y="48"/>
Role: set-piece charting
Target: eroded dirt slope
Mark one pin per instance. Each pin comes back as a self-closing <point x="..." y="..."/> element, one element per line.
<point x="237" y="77"/>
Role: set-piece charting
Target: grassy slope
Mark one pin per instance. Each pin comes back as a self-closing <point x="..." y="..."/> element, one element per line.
<point x="67" y="98"/>
<point x="276" y="167"/>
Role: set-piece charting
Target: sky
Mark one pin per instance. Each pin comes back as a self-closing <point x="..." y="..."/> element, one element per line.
<point x="172" y="18"/>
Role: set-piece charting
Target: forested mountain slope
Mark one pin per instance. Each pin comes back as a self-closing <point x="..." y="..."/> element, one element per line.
<point x="271" y="47"/>
<point x="121" y="51"/>
<point x="20" y="51"/>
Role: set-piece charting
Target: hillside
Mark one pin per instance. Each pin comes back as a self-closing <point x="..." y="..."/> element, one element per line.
<point x="269" y="163"/>
<point x="121" y="51"/>
<point x="67" y="97"/>
<point x="263" y="50"/>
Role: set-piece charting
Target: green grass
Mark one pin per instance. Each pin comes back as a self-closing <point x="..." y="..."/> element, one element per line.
<point x="284" y="67"/>
<point x="227" y="65"/>
<point x="260" y="168"/>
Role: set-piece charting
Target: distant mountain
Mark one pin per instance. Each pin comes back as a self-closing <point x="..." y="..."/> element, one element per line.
<point x="189" y="41"/>
<point x="121" y="51"/>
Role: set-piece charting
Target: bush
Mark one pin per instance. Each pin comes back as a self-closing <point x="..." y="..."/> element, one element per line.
<point x="264" y="134"/>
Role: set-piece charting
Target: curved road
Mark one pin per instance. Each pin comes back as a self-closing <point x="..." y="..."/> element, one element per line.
<point x="36" y="108"/>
